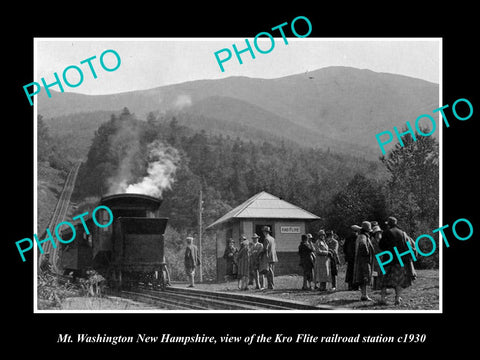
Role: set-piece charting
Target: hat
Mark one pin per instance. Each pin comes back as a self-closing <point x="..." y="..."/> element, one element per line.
<point x="374" y="223"/>
<point x="391" y="221"/>
<point x="266" y="228"/>
<point x="329" y="232"/>
<point x="376" y="229"/>
<point x="255" y="236"/>
<point x="189" y="238"/>
<point x="356" y="227"/>
<point x="366" y="226"/>
<point x="321" y="232"/>
<point x="243" y="237"/>
<point x="309" y="236"/>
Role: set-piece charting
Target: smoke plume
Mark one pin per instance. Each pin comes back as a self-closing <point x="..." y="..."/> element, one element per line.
<point x="162" y="164"/>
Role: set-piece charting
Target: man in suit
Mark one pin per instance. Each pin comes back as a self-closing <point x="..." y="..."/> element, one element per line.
<point x="349" y="252"/>
<point x="270" y="253"/>
<point x="192" y="260"/>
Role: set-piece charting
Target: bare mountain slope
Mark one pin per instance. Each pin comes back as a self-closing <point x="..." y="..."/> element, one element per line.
<point x="339" y="106"/>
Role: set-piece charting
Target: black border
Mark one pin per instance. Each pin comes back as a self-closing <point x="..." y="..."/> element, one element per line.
<point x="456" y="27"/>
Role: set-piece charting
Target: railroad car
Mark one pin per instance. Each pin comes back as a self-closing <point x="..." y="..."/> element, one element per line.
<point x="128" y="252"/>
<point x="76" y="256"/>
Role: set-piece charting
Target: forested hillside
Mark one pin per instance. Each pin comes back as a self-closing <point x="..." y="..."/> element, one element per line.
<point x="341" y="189"/>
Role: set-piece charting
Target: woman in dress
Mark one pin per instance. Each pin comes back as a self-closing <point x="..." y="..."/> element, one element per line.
<point x="322" y="263"/>
<point x="307" y="260"/>
<point x="332" y="244"/>
<point x="376" y="273"/>
<point x="229" y="256"/>
<point x="243" y="263"/>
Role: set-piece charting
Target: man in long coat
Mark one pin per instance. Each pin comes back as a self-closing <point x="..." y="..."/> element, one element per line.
<point x="349" y="252"/>
<point x="192" y="260"/>
<point x="362" y="269"/>
<point x="270" y="254"/>
<point x="255" y="252"/>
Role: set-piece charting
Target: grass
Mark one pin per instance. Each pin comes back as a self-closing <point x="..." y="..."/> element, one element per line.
<point x="102" y="303"/>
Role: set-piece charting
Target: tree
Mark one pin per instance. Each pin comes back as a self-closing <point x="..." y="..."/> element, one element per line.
<point x="362" y="199"/>
<point x="413" y="186"/>
<point x="44" y="141"/>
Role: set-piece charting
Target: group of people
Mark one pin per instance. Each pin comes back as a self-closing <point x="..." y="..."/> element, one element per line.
<point x="319" y="260"/>
<point x="252" y="262"/>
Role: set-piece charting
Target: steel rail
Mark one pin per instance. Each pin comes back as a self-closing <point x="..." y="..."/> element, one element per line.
<point x="59" y="214"/>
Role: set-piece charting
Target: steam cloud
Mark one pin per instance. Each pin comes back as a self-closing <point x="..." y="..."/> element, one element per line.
<point x="182" y="101"/>
<point x="163" y="161"/>
<point x="162" y="164"/>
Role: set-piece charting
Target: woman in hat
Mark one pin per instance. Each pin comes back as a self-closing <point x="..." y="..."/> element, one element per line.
<point x="321" y="272"/>
<point x="307" y="260"/>
<point x="243" y="263"/>
<point x="376" y="273"/>
<point x="332" y="244"/>
<point x="362" y="269"/>
<point x="397" y="276"/>
<point x="229" y="256"/>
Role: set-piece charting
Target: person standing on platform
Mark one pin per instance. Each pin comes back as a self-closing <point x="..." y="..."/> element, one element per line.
<point x="349" y="252"/>
<point x="333" y="254"/>
<point x="243" y="263"/>
<point x="229" y="256"/>
<point x="377" y="272"/>
<point x="322" y="263"/>
<point x="362" y="270"/>
<point x="307" y="260"/>
<point x="255" y="251"/>
<point x="270" y="254"/>
<point x="192" y="260"/>
<point x="397" y="276"/>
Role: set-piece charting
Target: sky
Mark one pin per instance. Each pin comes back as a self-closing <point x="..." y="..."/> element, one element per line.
<point x="147" y="63"/>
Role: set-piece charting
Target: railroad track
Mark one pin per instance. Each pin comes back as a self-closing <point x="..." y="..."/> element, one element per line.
<point x="175" y="298"/>
<point x="59" y="214"/>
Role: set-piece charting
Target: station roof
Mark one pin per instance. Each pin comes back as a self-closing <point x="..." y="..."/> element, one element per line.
<point x="265" y="206"/>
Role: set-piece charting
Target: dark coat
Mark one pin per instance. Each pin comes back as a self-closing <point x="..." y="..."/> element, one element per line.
<point x="229" y="256"/>
<point x="395" y="237"/>
<point x="349" y="248"/>
<point x="307" y="256"/>
<point x="362" y="269"/>
<point x="243" y="259"/>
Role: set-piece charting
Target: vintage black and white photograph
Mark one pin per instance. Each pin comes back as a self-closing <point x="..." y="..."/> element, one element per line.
<point x="212" y="175"/>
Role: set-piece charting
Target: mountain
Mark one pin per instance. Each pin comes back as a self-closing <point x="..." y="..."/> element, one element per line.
<point x="338" y="107"/>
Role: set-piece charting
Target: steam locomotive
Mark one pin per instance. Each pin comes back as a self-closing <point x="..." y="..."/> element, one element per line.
<point x="128" y="252"/>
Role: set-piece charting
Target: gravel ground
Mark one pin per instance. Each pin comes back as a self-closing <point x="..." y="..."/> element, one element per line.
<point x="422" y="295"/>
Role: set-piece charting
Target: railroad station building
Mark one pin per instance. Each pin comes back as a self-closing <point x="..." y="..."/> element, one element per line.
<point x="286" y="221"/>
